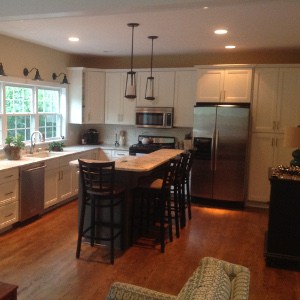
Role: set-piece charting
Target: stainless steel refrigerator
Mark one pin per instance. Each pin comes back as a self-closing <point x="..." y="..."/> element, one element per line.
<point x="220" y="137"/>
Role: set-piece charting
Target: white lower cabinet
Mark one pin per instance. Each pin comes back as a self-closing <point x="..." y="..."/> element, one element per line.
<point x="115" y="154"/>
<point x="58" y="180"/>
<point x="112" y="154"/>
<point x="105" y="155"/>
<point x="267" y="151"/>
<point x="9" y="197"/>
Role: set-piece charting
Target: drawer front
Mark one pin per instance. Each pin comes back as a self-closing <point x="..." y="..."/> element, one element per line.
<point x="8" y="175"/>
<point x="64" y="161"/>
<point x="9" y="192"/>
<point x="119" y="153"/>
<point x="84" y="155"/>
<point x="52" y="163"/>
<point x="9" y="214"/>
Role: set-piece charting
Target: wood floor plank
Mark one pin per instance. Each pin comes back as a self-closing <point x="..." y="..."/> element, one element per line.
<point x="40" y="257"/>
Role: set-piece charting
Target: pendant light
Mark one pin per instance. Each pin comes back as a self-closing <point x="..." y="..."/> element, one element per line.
<point x="130" y="89"/>
<point x="149" y="93"/>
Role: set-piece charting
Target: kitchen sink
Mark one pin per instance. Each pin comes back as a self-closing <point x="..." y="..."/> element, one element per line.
<point x="44" y="154"/>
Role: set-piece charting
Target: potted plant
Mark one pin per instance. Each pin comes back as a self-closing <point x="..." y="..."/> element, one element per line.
<point x="13" y="147"/>
<point x="56" y="146"/>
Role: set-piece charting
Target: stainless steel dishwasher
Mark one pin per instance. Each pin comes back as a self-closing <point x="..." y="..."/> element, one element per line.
<point x="32" y="178"/>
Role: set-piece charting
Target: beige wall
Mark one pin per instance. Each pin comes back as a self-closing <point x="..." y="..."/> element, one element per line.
<point x="16" y="55"/>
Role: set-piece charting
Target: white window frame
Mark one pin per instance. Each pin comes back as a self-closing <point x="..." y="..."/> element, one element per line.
<point x="35" y="85"/>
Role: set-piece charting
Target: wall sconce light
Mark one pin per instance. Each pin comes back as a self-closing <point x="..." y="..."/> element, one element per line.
<point x="37" y="73"/>
<point x="2" y="73"/>
<point x="130" y="88"/>
<point x="65" y="79"/>
<point x="149" y="93"/>
<point x="292" y="139"/>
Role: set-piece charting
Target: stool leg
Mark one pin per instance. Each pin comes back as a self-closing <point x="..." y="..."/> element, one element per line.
<point x="80" y="228"/>
<point x="176" y="209"/>
<point x="188" y="197"/>
<point x="93" y="213"/>
<point x="169" y="215"/>
<point x="112" y="239"/>
<point x="182" y="205"/>
<point x="162" y="225"/>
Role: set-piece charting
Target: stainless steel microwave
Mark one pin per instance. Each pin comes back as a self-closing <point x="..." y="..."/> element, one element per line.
<point x="155" y="117"/>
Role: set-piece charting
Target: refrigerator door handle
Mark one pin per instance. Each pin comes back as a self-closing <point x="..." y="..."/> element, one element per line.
<point x="212" y="151"/>
<point x="216" y="149"/>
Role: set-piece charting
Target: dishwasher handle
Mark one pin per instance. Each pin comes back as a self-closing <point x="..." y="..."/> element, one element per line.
<point x="34" y="169"/>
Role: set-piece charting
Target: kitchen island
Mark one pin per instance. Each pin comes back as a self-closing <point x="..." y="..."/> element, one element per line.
<point x="128" y="171"/>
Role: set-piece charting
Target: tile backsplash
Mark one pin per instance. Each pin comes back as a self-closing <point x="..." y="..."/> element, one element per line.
<point x="107" y="133"/>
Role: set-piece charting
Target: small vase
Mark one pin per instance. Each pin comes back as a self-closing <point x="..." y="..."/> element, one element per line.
<point x="12" y="153"/>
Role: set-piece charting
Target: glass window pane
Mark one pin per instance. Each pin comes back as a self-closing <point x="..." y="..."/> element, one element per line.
<point x="18" y="99"/>
<point x="48" y="124"/>
<point x="48" y="100"/>
<point x="19" y="125"/>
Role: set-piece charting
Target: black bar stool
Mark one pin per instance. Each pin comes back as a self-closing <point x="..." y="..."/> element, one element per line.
<point x="153" y="195"/>
<point x="186" y="186"/>
<point x="178" y="193"/>
<point x="99" y="192"/>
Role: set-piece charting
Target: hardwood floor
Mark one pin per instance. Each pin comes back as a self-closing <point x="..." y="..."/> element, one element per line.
<point x="40" y="257"/>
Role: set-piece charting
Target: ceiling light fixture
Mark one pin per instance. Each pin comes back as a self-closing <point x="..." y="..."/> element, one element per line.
<point x="2" y="73"/>
<point x="65" y="79"/>
<point x="37" y="73"/>
<point x="130" y="88"/>
<point x="230" y="47"/>
<point x="149" y="93"/>
<point x="220" y="31"/>
<point x="73" y="39"/>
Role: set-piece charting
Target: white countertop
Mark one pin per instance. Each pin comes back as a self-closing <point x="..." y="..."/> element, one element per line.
<point x="142" y="163"/>
<point x="27" y="159"/>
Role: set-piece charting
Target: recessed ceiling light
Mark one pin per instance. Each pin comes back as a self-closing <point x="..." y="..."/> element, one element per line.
<point x="220" y="31"/>
<point x="230" y="47"/>
<point x="205" y="7"/>
<point x="73" y="39"/>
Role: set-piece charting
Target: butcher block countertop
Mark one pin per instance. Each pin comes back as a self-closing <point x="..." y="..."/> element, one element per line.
<point x="142" y="163"/>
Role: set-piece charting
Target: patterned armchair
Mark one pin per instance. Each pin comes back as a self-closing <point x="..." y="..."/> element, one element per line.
<point x="214" y="279"/>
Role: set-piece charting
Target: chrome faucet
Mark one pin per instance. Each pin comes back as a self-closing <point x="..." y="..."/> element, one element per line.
<point x="32" y="140"/>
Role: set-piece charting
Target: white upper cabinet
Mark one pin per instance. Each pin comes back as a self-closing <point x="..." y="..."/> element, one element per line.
<point x="185" y="98"/>
<point x="224" y="85"/>
<point x="118" y="109"/>
<point x="86" y="95"/>
<point x="164" y="82"/>
<point x="276" y="99"/>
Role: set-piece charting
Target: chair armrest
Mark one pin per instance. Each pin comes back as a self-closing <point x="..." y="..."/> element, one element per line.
<point x="119" y="290"/>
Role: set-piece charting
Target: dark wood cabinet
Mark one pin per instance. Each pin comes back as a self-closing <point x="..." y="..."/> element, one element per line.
<point x="283" y="235"/>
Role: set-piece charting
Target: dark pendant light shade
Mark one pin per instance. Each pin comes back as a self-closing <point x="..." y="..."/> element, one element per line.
<point x="2" y="73"/>
<point x="130" y="88"/>
<point x="65" y="79"/>
<point x="149" y="93"/>
<point x="37" y="73"/>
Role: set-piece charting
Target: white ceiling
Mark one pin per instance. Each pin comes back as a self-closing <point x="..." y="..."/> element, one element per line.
<point x="183" y="26"/>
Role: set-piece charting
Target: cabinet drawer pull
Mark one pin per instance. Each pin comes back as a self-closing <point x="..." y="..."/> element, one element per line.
<point x="9" y="215"/>
<point x="9" y="193"/>
<point x="8" y="176"/>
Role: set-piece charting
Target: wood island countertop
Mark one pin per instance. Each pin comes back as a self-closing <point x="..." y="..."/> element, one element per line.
<point x="144" y="163"/>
